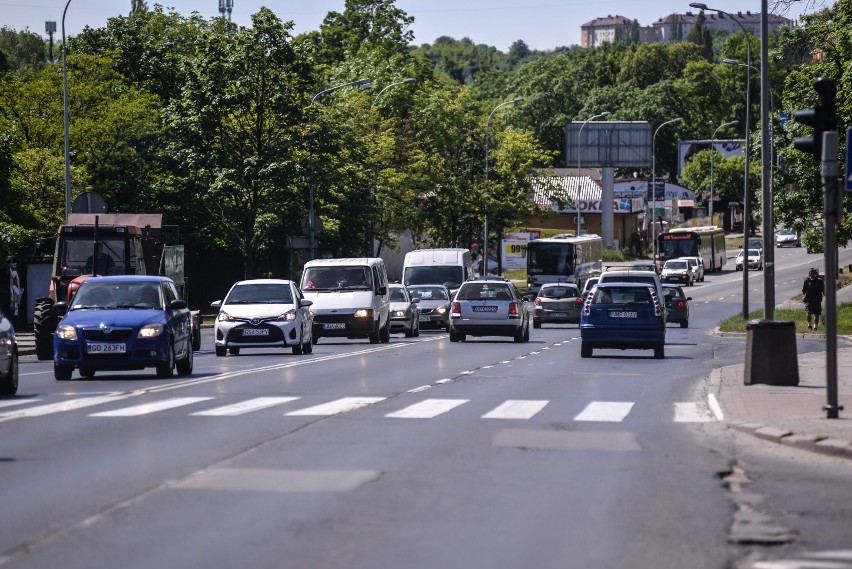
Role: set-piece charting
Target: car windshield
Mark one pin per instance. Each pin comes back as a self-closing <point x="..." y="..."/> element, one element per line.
<point x="117" y="295"/>
<point x="397" y="294"/>
<point x="753" y="253"/>
<point x="693" y="262"/>
<point x="429" y="293"/>
<point x="621" y="295"/>
<point x="271" y="293"/>
<point x="558" y="292"/>
<point x="336" y="278"/>
<point x="484" y="291"/>
<point x="680" y="265"/>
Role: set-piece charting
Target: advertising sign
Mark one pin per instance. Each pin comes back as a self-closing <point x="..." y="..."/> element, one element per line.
<point x="515" y="251"/>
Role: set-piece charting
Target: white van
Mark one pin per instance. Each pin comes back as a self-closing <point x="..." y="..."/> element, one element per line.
<point x="448" y="267"/>
<point x="350" y="298"/>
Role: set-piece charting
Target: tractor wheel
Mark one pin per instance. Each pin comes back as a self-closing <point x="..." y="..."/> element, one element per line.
<point x="44" y="325"/>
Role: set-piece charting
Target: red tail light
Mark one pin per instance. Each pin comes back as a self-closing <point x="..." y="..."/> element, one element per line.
<point x="680" y="304"/>
<point x="579" y="300"/>
<point x="513" y="308"/>
<point x="456" y="310"/>
<point x="538" y="302"/>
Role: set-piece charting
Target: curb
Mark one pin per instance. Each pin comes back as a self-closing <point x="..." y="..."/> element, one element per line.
<point x="816" y="443"/>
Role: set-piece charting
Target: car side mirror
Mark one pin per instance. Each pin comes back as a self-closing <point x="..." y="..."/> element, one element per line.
<point x="59" y="308"/>
<point x="688" y="298"/>
<point x="527" y="298"/>
<point x="216" y="304"/>
<point x="177" y="304"/>
<point x="304" y="303"/>
<point x="383" y="290"/>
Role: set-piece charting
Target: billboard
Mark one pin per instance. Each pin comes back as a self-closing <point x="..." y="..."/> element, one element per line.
<point x="686" y="149"/>
<point x="608" y="144"/>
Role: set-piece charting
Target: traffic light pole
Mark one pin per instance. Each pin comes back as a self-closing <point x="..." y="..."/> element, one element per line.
<point x="832" y="201"/>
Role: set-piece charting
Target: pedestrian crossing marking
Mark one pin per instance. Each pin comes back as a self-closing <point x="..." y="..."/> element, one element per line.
<point x="838" y="559"/>
<point x="692" y="413"/>
<point x="336" y="407"/>
<point x="245" y="407"/>
<point x="427" y="409"/>
<point x="514" y="409"/>
<point x="147" y="408"/>
<point x="605" y="411"/>
<point x="21" y="401"/>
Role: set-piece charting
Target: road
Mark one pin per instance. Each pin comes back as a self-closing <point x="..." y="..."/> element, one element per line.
<point x="418" y="454"/>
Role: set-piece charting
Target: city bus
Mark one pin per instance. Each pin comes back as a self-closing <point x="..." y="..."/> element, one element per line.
<point x="563" y="258"/>
<point x="708" y="243"/>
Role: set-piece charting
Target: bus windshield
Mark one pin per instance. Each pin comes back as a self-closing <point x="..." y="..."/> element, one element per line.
<point x="550" y="259"/>
<point x="684" y="246"/>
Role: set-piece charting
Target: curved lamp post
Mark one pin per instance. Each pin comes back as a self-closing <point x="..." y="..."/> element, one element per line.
<point x="363" y="83"/>
<point x="65" y="120"/>
<point x="406" y="80"/>
<point x="746" y="196"/>
<point x="487" y="127"/>
<point x="654" y="185"/>
<point x="579" y="132"/>
<point x="712" y="156"/>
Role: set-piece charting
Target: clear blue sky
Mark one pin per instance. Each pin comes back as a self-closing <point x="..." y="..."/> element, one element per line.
<point x="542" y="24"/>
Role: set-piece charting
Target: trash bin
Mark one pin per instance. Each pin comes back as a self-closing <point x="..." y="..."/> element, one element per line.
<point x="771" y="356"/>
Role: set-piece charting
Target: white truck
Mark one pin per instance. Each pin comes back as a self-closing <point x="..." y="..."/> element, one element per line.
<point x="448" y="267"/>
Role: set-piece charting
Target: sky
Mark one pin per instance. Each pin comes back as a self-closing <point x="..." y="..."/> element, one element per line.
<point x="542" y="24"/>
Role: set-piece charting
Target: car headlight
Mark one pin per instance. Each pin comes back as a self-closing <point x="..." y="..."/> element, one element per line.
<point x="442" y="309"/>
<point x="364" y="313"/>
<point x="399" y="313"/>
<point x="224" y="317"/>
<point x="150" y="330"/>
<point x="66" y="332"/>
<point x="288" y="316"/>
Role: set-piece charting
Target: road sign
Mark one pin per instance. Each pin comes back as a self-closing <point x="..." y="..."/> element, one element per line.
<point x="848" y="184"/>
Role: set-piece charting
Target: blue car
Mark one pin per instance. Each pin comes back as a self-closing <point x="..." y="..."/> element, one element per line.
<point x="621" y="315"/>
<point x="123" y="323"/>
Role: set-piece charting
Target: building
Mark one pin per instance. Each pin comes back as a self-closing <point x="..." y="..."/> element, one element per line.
<point x="609" y="29"/>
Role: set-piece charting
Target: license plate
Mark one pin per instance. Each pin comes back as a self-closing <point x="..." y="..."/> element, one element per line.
<point x="334" y="326"/>
<point x="485" y="309"/>
<point x="106" y="348"/>
<point x="255" y="331"/>
<point x="624" y="314"/>
<point x="425" y="318"/>
<point x="559" y="315"/>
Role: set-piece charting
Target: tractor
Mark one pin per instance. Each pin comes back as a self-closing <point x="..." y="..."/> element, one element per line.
<point x="106" y="244"/>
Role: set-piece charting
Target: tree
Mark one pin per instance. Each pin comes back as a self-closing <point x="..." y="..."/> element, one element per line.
<point x="138" y="6"/>
<point x="22" y="50"/>
<point x="648" y="63"/>
<point x="238" y="132"/>
<point x="700" y="36"/>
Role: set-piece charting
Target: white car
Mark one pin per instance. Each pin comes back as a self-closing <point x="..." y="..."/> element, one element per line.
<point x="678" y="271"/>
<point x="697" y="268"/>
<point x="755" y="259"/>
<point x="263" y="313"/>
<point x="787" y="238"/>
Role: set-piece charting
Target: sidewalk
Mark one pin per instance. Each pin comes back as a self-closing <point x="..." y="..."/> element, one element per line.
<point x="791" y="415"/>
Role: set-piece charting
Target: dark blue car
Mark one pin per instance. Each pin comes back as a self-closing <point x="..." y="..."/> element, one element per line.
<point x="623" y="316"/>
<point x="123" y="323"/>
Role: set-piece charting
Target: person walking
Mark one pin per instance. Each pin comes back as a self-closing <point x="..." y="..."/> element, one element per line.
<point x="813" y="290"/>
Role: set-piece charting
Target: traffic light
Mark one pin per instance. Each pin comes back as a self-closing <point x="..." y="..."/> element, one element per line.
<point x="822" y="118"/>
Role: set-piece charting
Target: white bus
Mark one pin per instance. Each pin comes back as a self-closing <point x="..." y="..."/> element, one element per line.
<point x="563" y="259"/>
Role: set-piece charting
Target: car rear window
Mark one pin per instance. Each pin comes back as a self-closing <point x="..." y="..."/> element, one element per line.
<point x="484" y="291"/>
<point x="621" y="295"/>
<point x="558" y="292"/>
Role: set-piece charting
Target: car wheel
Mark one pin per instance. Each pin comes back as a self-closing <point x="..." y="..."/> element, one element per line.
<point x="384" y="335"/>
<point x="234" y="351"/>
<point x="417" y="328"/>
<point x="456" y="336"/>
<point x="308" y="347"/>
<point x="221" y="351"/>
<point x="375" y="336"/>
<point x="9" y="384"/>
<point x="536" y="324"/>
<point x="410" y="332"/>
<point x="196" y="339"/>
<point x="315" y="339"/>
<point x="184" y="366"/>
<point x="86" y="372"/>
<point x="166" y="370"/>
<point x="62" y="373"/>
<point x="527" y="333"/>
<point x="660" y="351"/>
<point x="585" y="350"/>
<point x="684" y="324"/>
<point x="299" y="348"/>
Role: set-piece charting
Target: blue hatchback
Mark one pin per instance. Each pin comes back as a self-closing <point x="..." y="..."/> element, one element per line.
<point x="123" y="323"/>
<point x="623" y="316"/>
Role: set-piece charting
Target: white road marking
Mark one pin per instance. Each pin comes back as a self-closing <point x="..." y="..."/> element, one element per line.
<point x="514" y="409"/>
<point x="69" y="405"/>
<point x="606" y="411"/>
<point x="17" y="402"/>
<point x="443" y="381"/>
<point x="692" y="412"/>
<point x="335" y="407"/>
<point x="713" y="403"/>
<point x="419" y="389"/>
<point x="147" y="408"/>
<point x="427" y="409"/>
<point x="245" y="407"/>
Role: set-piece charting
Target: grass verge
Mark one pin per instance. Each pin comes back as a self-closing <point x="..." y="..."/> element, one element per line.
<point x="798" y="315"/>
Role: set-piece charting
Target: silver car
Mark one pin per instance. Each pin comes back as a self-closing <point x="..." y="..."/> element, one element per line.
<point x="488" y="306"/>
<point x="8" y="357"/>
<point x="404" y="315"/>
<point x="434" y="306"/>
<point x="787" y="238"/>
<point x="557" y="303"/>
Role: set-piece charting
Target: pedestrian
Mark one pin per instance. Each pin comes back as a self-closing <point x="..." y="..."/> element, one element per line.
<point x="813" y="290"/>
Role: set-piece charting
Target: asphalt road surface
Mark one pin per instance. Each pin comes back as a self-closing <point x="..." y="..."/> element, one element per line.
<point x="418" y="454"/>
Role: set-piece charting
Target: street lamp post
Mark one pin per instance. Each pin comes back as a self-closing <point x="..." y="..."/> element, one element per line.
<point x="406" y="80"/>
<point x="363" y="83"/>
<point x="654" y="186"/>
<point x="577" y="197"/>
<point x="746" y="196"/>
<point x="712" y="156"/>
<point x="65" y="120"/>
<point x="487" y="130"/>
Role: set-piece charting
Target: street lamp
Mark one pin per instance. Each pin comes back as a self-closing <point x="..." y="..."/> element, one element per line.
<point x="406" y="80"/>
<point x="577" y="197"/>
<point x="746" y="197"/>
<point x="65" y="120"/>
<point x="487" y="130"/>
<point x="654" y="186"/>
<point x="712" y="156"/>
<point x="364" y="84"/>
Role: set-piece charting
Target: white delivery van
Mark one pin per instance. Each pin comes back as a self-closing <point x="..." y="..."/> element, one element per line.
<point x="448" y="267"/>
<point x="350" y="298"/>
